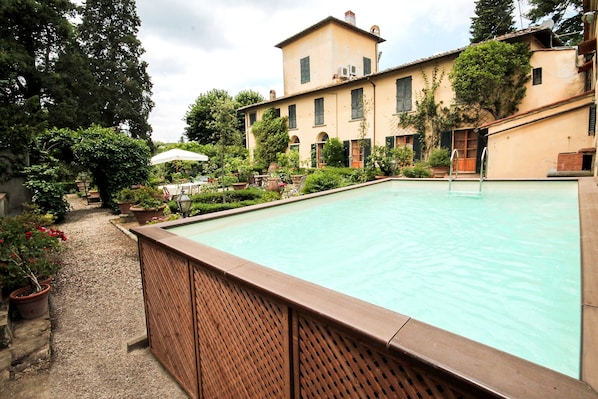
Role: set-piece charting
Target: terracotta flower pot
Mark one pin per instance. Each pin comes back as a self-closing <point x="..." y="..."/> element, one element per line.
<point x="239" y="186"/>
<point x="145" y="215"/>
<point x="124" y="207"/>
<point x="30" y="305"/>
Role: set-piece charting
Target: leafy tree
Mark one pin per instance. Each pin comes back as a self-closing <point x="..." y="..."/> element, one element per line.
<point x="32" y="35"/>
<point x="566" y="15"/>
<point x="333" y="153"/>
<point x="430" y="118"/>
<point x="108" y="33"/>
<point x="271" y="136"/>
<point x="493" y="18"/>
<point x="492" y="77"/>
<point x="242" y="99"/>
<point x="200" y="117"/>
<point x="115" y="160"/>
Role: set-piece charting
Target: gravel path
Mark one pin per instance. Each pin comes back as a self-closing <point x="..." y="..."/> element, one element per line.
<point x="96" y="308"/>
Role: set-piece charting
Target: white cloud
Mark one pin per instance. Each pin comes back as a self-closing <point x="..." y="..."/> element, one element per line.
<point x="196" y="46"/>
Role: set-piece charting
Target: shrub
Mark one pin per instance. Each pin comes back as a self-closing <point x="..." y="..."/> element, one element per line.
<point x="322" y="181"/>
<point x="27" y="248"/>
<point x="333" y="153"/>
<point x="47" y="191"/>
<point x="439" y="157"/>
<point x="418" y="171"/>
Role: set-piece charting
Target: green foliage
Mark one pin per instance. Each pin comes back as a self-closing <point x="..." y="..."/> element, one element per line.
<point x="126" y="195"/>
<point x="430" y="118"/>
<point x="213" y="201"/>
<point x="122" y="96"/>
<point x="492" y="18"/>
<point x="491" y="76"/>
<point x="333" y="153"/>
<point x="27" y="249"/>
<point x="419" y="171"/>
<point x="47" y="190"/>
<point x="439" y="157"/>
<point x="115" y="160"/>
<point x="148" y="197"/>
<point x="271" y="136"/>
<point x="566" y="15"/>
<point x="202" y="114"/>
<point x="200" y="117"/>
<point x="389" y="160"/>
<point x="322" y="180"/>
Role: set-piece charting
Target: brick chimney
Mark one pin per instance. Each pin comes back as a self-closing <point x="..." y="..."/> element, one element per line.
<point x="350" y="17"/>
<point x="272" y="94"/>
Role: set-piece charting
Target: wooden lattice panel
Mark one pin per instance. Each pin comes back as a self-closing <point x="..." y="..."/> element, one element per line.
<point x="243" y="341"/>
<point x="169" y="313"/>
<point x="334" y="366"/>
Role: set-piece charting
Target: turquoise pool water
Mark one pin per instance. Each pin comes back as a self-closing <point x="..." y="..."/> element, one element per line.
<point x="502" y="269"/>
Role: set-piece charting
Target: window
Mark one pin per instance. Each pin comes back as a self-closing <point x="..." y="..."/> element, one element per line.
<point x="277" y="112"/>
<point x="357" y="103"/>
<point x="367" y="66"/>
<point x="305" y="78"/>
<point x="292" y="116"/>
<point x="404" y="94"/>
<point x="537" y="76"/>
<point x="252" y="118"/>
<point x="319" y="111"/>
<point x="294" y="146"/>
<point x="404" y="141"/>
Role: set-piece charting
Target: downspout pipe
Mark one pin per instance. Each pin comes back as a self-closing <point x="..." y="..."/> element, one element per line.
<point x="374" y="110"/>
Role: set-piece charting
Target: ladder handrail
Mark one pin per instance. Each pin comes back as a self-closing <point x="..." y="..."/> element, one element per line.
<point x="482" y="167"/>
<point x="455" y="152"/>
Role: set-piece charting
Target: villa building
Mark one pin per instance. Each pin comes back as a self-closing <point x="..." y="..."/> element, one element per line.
<point x="333" y="88"/>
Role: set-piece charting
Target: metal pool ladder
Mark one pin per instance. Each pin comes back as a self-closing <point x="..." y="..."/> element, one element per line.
<point x="483" y="167"/>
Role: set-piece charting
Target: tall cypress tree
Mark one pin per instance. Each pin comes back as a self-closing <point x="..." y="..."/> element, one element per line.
<point x="493" y="18"/>
<point x="122" y="97"/>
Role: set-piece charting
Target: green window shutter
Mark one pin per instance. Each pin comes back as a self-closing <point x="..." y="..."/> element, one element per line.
<point x="346" y="151"/>
<point x="446" y="139"/>
<point x="417" y="148"/>
<point x="390" y="141"/>
<point x="357" y="103"/>
<point x="314" y="160"/>
<point x="404" y="94"/>
<point x="367" y="66"/>
<point x="367" y="149"/>
<point x="305" y="73"/>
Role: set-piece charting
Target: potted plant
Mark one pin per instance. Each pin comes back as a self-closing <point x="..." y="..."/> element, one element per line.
<point x="149" y="203"/>
<point x="124" y="199"/>
<point x="440" y="161"/>
<point x="27" y="254"/>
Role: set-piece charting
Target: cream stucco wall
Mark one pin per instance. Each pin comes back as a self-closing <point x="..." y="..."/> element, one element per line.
<point x="560" y="78"/>
<point x="328" y="48"/>
<point x="522" y="148"/>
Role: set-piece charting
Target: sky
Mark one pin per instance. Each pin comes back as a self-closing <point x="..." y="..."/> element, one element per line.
<point x="195" y="46"/>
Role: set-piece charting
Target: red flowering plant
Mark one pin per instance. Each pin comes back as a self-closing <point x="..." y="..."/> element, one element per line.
<point x="28" y="248"/>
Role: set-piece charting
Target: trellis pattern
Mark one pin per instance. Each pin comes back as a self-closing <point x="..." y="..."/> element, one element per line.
<point x="243" y="341"/>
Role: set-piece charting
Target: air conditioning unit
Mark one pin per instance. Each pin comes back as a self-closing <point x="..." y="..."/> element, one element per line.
<point x="343" y="72"/>
<point x="352" y="70"/>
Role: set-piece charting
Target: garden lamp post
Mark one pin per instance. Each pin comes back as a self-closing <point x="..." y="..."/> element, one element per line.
<point x="184" y="204"/>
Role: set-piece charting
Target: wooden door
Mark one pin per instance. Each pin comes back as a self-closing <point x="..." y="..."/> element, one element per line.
<point x="356" y="154"/>
<point x="466" y="142"/>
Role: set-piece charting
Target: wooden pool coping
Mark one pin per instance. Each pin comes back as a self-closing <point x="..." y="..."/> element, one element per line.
<point x="495" y="371"/>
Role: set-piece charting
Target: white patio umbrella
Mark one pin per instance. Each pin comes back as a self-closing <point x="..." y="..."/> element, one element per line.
<point x="177" y="154"/>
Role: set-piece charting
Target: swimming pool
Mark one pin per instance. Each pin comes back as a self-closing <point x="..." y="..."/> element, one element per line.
<point x="502" y="268"/>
